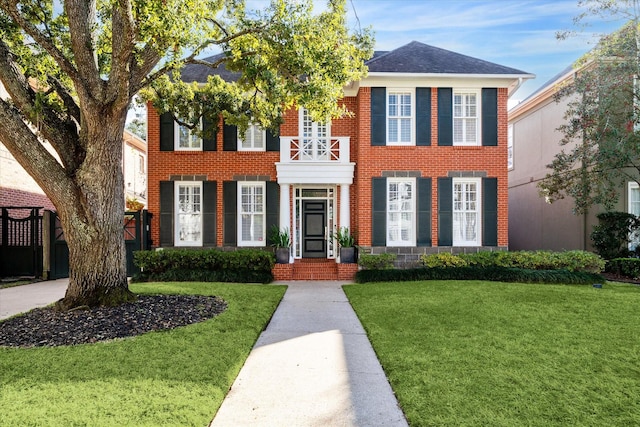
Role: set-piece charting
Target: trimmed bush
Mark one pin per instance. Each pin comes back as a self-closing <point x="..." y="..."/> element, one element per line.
<point x="376" y="262"/>
<point x="611" y="236"/>
<point x="211" y="265"/>
<point x="625" y="267"/>
<point x="496" y="274"/>
<point x="529" y="260"/>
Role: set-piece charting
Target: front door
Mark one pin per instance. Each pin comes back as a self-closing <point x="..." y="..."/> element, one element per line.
<point x="314" y="222"/>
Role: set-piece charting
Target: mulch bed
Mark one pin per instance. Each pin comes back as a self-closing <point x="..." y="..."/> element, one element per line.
<point x="47" y="327"/>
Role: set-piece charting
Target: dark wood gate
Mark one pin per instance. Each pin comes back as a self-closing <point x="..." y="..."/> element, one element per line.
<point x="137" y="236"/>
<point x="20" y="241"/>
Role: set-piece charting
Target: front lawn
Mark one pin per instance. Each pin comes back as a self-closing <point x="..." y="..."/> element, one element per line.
<point x="484" y="353"/>
<point x="177" y="377"/>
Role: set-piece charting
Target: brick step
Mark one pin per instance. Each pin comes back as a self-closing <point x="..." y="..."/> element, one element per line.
<point x="315" y="270"/>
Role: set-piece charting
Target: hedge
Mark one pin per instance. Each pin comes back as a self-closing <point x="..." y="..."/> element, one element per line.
<point x="494" y="273"/>
<point x="625" y="267"/>
<point x="209" y="265"/>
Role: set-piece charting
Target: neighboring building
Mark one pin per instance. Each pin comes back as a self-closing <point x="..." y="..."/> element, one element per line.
<point x="134" y="168"/>
<point x="534" y="141"/>
<point x="420" y="167"/>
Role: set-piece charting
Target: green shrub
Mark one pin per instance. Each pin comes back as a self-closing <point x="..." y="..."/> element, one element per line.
<point x="377" y="261"/>
<point x="538" y="260"/>
<point x="211" y="265"/>
<point x="443" y="259"/>
<point x="611" y="236"/>
<point x="497" y="274"/>
<point x="625" y="267"/>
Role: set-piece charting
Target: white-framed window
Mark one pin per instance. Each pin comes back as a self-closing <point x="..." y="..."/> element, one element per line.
<point x="401" y="212"/>
<point x="634" y="208"/>
<point x="510" y="147"/>
<point x="188" y="212"/>
<point x="316" y="138"/>
<point x="400" y="112"/>
<point x="186" y="139"/>
<point x="254" y="139"/>
<point x="466" y="117"/>
<point x="466" y="211"/>
<point x="251" y="213"/>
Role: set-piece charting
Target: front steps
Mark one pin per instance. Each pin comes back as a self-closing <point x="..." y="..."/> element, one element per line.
<point x="315" y="269"/>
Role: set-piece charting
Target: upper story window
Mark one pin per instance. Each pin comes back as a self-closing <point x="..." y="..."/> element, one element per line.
<point x="254" y="139"/>
<point x="315" y="142"/>
<point x="399" y="117"/>
<point x="466" y="117"/>
<point x="187" y="139"/>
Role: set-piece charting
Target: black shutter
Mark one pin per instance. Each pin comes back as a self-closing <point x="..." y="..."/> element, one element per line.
<point x="273" y="140"/>
<point x="445" y="212"/>
<point x="490" y="116"/>
<point x="209" y="133"/>
<point x="209" y="202"/>
<point x="423" y="116"/>
<point x="230" y="206"/>
<point x="272" y="208"/>
<point x="490" y="211"/>
<point x="378" y="116"/>
<point x="424" y="212"/>
<point x="166" y="213"/>
<point x="229" y="138"/>
<point x="445" y="116"/>
<point x="166" y="132"/>
<point x="379" y="207"/>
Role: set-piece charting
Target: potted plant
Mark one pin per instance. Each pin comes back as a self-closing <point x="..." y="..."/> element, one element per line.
<point x="281" y="240"/>
<point x="347" y="243"/>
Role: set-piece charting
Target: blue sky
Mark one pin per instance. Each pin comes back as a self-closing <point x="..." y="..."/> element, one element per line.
<point x="514" y="33"/>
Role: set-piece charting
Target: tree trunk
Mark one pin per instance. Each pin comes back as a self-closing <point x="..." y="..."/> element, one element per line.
<point x="93" y="222"/>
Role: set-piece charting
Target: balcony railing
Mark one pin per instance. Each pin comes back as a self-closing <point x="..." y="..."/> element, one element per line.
<point x="296" y="149"/>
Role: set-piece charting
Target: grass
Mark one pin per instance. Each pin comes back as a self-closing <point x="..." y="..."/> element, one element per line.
<point x="168" y="378"/>
<point x="485" y="353"/>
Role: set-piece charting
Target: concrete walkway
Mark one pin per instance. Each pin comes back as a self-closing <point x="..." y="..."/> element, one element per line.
<point x="312" y="366"/>
<point x="26" y="297"/>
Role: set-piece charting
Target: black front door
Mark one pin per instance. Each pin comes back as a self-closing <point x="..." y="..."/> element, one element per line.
<point x="314" y="221"/>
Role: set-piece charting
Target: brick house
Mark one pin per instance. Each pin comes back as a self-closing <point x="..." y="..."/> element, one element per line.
<point x="420" y="167"/>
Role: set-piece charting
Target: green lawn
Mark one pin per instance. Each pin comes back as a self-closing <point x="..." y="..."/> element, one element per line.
<point x="168" y="378"/>
<point x="495" y="354"/>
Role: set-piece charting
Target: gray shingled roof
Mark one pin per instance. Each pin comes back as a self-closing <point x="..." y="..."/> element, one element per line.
<point x="417" y="57"/>
<point x="414" y="57"/>
<point x="199" y="73"/>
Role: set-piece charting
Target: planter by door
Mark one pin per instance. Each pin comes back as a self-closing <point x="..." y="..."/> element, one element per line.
<point x="282" y="255"/>
<point x="348" y="255"/>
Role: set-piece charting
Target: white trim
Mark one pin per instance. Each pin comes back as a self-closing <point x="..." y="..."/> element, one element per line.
<point x="477" y="210"/>
<point x="478" y="117"/>
<point x="632" y="186"/>
<point x="262" y="239"/>
<point x="510" y="147"/>
<point x="411" y="117"/>
<point x="411" y="241"/>
<point x="179" y="241"/>
<point x="315" y="173"/>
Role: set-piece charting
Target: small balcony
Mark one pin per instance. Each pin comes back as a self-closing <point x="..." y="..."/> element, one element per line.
<point x="297" y="149"/>
<point x="315" y="161"/>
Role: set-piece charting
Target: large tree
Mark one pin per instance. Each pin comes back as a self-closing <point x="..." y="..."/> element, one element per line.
<point x="601" y="134"/>
<point x="71" y="69"/>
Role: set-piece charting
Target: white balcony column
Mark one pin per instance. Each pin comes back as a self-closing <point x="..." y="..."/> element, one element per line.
<point x="285" y="212"/>
<point x="345" y="206"/>
<point x="345" y="147"/>
<point x="285" y="150"/>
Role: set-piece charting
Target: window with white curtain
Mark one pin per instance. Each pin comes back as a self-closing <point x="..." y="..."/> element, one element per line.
<point x="466" y="211"/>
<point x="401" y="212"/>
<point x="251" y="214"/>
<point x="188" y="210"/>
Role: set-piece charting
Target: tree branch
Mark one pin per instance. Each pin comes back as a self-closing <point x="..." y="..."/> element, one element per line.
<point x="122" y="51"/>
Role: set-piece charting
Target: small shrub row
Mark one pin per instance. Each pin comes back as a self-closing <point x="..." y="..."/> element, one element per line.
<point x="494" y="273"/>
<point x="624" y="267"/>
<point x="528" y="260"/>
<point x="376" y="261"/>
<point x="211" y="265"/>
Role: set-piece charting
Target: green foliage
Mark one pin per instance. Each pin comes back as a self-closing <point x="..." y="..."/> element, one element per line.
<point x="377" y="261"/>
<point x="279" y="238"/>
<point x="344" y="237"/>
<point x="443" y="259"/>
<point x="611" y="236"/>
<point x="496" y="274"/>
<point x="243" y="265"/>
<point x="600" y="145"/>
<point x="624" y="267"/>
